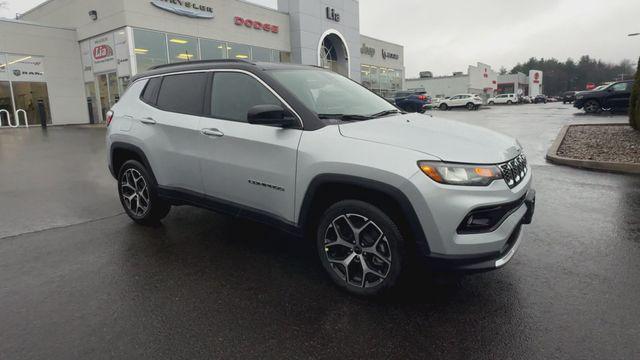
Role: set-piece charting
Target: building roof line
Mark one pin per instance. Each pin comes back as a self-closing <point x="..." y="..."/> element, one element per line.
<point x="35" y="7"/>
<point x="35" y="24"/>
<point x="385" y="41"/>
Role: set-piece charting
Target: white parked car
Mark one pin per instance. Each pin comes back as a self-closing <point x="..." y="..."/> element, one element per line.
<point x="318" y="155"/>
<point x="503" y="99"/>
<point x="470" y="101"/>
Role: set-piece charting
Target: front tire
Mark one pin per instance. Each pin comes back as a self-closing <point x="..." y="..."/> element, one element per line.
<point x="360" y="247"/>
<point x="139" y="195"/>
<point x="444" y="106"/>
<point x="592" y="107"/>
<point x="491" y="103"/>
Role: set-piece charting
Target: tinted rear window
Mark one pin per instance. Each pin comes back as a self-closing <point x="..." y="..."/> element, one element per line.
<point x="183" y="93"/>
<point x="150" y="92"/>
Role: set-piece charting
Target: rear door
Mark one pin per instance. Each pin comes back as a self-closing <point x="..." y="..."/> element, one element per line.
<point x="246" y="164"/>
<point x="169" y="129"/>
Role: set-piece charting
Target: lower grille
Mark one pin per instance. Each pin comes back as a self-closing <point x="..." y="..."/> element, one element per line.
<point x="514" y="171"/>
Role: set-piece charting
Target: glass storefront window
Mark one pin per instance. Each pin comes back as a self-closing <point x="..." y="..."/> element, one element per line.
<point x="384" y="81"/>
<point x="33" y="98"/>
<point x="239" y="51"/>
<point x="261" y="54"/>
<point x="365" y="72"/>
<point x="182" y="48"/>
<point x="5" y="104"/>
<point x="150" y="48"/>
<point x="285" y="57"/>
<point x="373" y="77"/>
<point x="213" y="49"/>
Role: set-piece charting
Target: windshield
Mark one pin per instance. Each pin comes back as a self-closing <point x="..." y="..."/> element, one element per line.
<point x="331" y="95"/>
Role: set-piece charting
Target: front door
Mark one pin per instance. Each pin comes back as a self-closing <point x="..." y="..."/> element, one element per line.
<point x="618" y="96"/>
<point x="108" y="92"/>
<point x="247" y="164"/>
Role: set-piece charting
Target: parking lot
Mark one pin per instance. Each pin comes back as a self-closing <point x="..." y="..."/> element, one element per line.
<point x="79" y="280"/>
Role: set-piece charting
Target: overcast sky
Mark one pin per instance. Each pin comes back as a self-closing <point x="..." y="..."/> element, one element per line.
<point x="447" y="36"/>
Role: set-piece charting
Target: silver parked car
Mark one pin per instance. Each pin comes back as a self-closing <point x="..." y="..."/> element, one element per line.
<point x="320" y="156"/>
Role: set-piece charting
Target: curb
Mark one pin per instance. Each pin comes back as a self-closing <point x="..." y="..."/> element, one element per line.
<point x="553" y="157"/>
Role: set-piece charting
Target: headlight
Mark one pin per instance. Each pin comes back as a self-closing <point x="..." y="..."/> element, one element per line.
<point x="457" y="174"/>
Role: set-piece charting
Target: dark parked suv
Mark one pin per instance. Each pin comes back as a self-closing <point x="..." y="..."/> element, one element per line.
<point x="413" y="101"/>
<point x="613" y="97"/>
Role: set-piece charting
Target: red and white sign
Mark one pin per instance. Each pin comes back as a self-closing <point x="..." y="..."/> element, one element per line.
<point x="103" y="54"/>
<point x="591" y="86"/>
<point x="102" y="51"/>
<point x="536" y="78"/>
<point x="257" y="25"/>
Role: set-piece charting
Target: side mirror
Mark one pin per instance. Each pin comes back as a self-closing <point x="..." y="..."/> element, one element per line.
<point x="270" y="115"/>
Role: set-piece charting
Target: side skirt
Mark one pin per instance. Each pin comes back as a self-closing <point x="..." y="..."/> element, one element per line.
<point x="178" y="196"/>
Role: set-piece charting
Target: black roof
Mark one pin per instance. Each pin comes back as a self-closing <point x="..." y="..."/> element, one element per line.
<point x="213" y="64"/>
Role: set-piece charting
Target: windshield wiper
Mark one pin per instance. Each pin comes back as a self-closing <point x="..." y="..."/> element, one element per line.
<point x="384" y="113"/>
<point x="345" y="117"/>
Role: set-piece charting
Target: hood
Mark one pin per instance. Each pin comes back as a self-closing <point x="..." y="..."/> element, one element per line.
<point x="447" y="140"/>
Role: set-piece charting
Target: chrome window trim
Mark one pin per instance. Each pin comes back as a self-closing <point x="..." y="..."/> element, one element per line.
<point x="235" y="71"/>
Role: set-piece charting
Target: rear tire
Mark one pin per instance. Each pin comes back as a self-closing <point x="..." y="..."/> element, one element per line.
<point x="360" y="248"/>
<point x="138" y="194"/>
<point x="509" y="102"/>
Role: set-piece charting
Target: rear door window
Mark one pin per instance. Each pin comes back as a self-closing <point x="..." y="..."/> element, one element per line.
<point x="183" y="93"/>
<point x="233" y="94"/>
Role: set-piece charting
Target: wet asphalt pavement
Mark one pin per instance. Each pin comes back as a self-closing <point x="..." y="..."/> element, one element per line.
<point x="79" y="280"/>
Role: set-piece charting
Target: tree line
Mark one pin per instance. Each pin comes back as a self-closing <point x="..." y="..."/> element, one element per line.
<point x="571" y="75"/>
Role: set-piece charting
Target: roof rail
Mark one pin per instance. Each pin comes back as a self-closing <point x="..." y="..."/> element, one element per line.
<point x="195" y="62"/>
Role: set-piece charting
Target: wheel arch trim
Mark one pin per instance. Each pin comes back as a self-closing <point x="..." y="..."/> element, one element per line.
<point x="393" y="192"/>
<point x="119" y="145"/>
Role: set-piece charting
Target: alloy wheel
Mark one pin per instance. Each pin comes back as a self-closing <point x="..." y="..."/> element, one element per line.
<point x="135" y="192"/>
<point x="592" y="107"/>
<point x="357" y="250"/>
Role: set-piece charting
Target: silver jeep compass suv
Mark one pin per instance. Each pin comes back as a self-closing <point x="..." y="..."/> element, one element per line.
<point x="318" y="155"/>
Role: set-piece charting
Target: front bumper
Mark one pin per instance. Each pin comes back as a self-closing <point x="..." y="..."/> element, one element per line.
<point x="489" y="261"/>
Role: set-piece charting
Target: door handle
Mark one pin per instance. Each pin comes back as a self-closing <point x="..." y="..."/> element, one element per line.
<point x="148" y="120"/>
<point x="212" y="132"/>
<point x="128" y="117"/>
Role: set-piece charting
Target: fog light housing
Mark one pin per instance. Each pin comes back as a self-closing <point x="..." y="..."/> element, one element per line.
<point x="488" y="218"/>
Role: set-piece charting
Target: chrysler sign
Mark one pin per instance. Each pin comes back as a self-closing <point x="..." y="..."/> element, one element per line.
<point x="185" y="8"/>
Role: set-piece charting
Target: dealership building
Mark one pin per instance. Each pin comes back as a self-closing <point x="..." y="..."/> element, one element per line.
<point x="68" y="61"/>
<point x="480" y="79"/>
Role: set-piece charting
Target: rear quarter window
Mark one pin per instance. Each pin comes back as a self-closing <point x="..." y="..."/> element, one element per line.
<point x="150" y="91"/>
